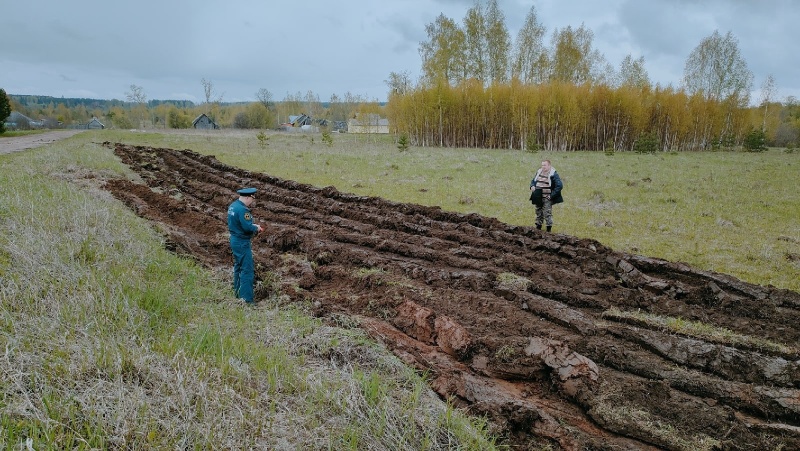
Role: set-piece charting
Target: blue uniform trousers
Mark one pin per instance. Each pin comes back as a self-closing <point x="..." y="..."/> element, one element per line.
<point x="243" y="268"/>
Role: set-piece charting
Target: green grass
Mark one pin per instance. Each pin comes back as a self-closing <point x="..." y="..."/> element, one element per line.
<point x="110" y="341"/>
<point x="700" y="330"/>
<point x="510" y="281"/>
<point x="13" y="133"/>
<point x="730" y="212"/>
<point x="642" y="423"/>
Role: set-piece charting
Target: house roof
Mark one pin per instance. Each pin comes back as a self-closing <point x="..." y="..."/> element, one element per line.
<point x="303" y="119"/>
<point x="373" y="121"/>
<point x="17" y="116"/>
<point x="197" y="119"/>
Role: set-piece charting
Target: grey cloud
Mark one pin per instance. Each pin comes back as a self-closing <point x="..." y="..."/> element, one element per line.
<point x="662" y="30"/>
<point x="348" y="46"/>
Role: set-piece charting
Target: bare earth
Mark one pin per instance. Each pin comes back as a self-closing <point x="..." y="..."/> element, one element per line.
<point x="509" y="322"/>
<point x="17" y="143"/>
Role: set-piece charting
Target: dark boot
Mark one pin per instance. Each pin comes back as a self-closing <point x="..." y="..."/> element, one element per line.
<point x="539" y="226"/>
<point x="549" y="228"/>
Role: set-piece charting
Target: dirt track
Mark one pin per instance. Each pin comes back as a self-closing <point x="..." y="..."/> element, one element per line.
<point x="24" y="142"/>
<point x="522" y="326"/>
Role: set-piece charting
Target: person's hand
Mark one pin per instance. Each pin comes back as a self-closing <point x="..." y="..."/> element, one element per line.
<point x="260" y="229"/>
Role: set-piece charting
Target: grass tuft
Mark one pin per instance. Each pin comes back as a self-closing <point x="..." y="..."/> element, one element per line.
<point x="700" y="330"/>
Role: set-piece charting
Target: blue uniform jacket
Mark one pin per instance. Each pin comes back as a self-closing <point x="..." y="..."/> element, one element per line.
<point x="240" y="221"/>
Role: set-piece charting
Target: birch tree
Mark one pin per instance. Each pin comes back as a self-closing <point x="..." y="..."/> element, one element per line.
<point x="574" y="60"/>
<point x="530" y="55"/>
<point x="313" y="106"/>
<point x="717" y="70"/>
<point x="399" y="83"/>
<point x="443" y="53"/>
<point x="137" y="96"/>
<point x="265" y="97"/>
<point x="633" y="73"/>
<point x="475" y="44"/>
<point x="498" y="43"/>
<point x="212" y="99"/>
<point x="767" y="91"/>
<point x="337" y="109"/>
<point x="209" y="93"/>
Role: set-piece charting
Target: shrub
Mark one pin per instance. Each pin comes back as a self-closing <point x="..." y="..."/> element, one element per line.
<point x="175" y="119"/>
<point x="122" y="121"/>
<point x="262" y="139"/>
<point x="608" y="149"/>
<point x="728" y="142"/>
<point x="531" y="144"/>
<point x="755" y="141"/>
<point x="647" y="143"/>
<point x="241" y="121"/>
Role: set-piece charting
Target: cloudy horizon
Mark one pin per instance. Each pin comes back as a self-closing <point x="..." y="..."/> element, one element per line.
<point x="99" y="50"/>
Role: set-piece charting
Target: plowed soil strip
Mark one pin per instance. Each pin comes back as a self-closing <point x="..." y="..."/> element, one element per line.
<point x="529" y="328"/>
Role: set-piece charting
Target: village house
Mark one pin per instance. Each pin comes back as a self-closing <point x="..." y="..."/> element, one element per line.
<point x="370" y="123"/>
<point x="204" y="122"/>
<point x="18" y="121"/>
<point x="302" y="122"/>
<point x="95" y="124"/>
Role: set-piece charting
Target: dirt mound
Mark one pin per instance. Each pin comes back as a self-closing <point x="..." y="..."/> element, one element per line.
<point x="558" y="340"/>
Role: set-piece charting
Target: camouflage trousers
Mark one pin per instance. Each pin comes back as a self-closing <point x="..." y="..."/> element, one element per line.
<point x="544" y="214"/>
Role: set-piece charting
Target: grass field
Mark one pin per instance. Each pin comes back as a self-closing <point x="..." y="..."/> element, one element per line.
<point x="731" y="212"/>
<point x="111" y="342"/>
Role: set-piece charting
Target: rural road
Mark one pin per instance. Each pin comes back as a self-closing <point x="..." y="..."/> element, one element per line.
<point x="17" y="143"/>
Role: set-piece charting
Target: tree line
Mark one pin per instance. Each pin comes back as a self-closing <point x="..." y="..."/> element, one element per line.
<point x="478" y="89"/>
<point x="34" y="101"/>
<point x="137" y="111"/>
<point x="564" y="116"/>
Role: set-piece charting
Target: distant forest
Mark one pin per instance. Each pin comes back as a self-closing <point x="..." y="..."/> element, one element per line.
<point x="60" y="112"/>
<point x="36" y="102"/>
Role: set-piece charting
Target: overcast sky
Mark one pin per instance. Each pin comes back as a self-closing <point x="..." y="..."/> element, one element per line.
<point x="98" y="49"/>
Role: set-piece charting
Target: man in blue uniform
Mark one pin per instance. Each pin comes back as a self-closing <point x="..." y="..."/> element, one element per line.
<point x="240" y="224"/>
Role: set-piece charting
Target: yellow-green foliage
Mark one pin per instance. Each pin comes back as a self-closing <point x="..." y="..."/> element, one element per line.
<point x="563" y="116"/>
